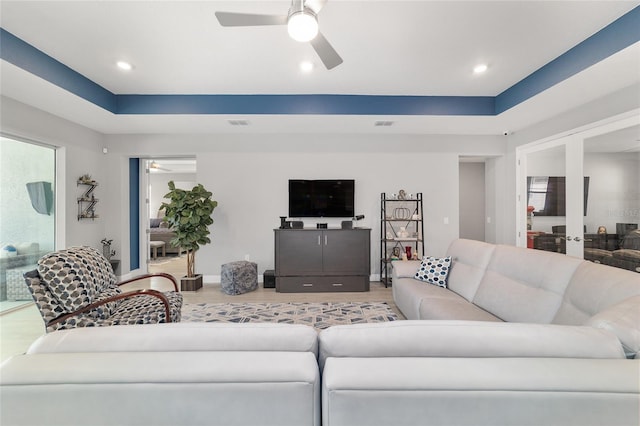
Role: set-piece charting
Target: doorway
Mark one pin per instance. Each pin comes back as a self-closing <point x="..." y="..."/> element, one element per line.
<point x="472" y="204"/>
<point x="161" y="255"/>
<point x="580" y="190"/>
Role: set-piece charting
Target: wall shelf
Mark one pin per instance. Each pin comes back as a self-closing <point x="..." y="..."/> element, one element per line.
<point x="87" y="201"/>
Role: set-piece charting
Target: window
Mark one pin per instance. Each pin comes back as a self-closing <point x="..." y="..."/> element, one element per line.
<point x="27" y="216"/>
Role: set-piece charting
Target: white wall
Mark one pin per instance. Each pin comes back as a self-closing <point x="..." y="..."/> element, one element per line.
<point x="249" y="174"/>
<point x="158" y="187"/>
<point x="616" y="103"/>
<point x="80" y="152"/>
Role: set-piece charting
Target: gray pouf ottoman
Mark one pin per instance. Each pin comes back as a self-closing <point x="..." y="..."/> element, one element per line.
<point x="239" y="277"/>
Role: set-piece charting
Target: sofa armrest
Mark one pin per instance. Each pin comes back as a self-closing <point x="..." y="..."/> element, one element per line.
<point x="405" y="268"/>
<point x="623" y="320"/>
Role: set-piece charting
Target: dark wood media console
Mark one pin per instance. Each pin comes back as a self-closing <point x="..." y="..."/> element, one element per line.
<point x="322" y="260"/>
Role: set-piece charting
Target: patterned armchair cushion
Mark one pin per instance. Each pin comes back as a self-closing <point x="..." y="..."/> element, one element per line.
<point x="77" y="277"/>
<point x="136" y="310"/>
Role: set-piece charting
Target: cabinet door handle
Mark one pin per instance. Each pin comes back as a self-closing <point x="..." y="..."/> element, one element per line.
<point x="319" y="240"/>
<point x="307" y="285"/>
<point x="325" y="240"/>
<point x="337" y="284"/>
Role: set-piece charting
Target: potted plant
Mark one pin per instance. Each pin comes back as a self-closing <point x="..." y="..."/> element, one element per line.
<point x="188" y="214"/>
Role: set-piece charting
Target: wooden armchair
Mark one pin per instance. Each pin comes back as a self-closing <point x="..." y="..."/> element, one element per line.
<point x="76" y="287"/>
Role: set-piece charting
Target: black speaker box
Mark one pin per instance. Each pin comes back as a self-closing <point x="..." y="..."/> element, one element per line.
<point x="269" y="279"/>
<point x="321" y="226"/>
<point x="297" y="224"/>
<point x="347" y="224"/>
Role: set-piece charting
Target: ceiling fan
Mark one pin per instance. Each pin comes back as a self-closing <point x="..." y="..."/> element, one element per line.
<point x="301" y="22"/>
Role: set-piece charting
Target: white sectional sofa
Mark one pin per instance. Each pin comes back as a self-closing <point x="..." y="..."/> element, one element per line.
<point x="166" y="374"/>
<point x="519" y="337"/>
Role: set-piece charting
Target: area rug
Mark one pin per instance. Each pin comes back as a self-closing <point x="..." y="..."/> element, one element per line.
<point x="318" y="315"/>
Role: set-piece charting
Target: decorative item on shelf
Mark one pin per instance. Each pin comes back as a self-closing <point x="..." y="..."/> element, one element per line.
<point x="86" y="179"/>
<point x="402" y="233"/>
<point x="404" y="256"/>
<point x="402" y="213"/>
<point x="602" y="229"/>
<point x="395" y="253"/>
<point x="402" y="195"/>
<point x="189" y="215"/>
<point x="106" y="248"/>
<point x="414" y="255"/>
<point x="530" y="210"/>
<point x="407" y="250"/>
<point x="283" y="222"/>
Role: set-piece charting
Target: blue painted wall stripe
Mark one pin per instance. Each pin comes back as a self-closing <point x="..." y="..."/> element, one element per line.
<point x="306" y="104"/>
<point x="134" y="213"/>
<point x="618" y="35"/>
<point x="27" y="57"/>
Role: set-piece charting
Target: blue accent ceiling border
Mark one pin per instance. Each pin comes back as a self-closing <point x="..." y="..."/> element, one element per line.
<point x="27" y="57"/>
<point x="134" y="213"/>
<point x="306" y="104"/>
<point x="616" y="36"/>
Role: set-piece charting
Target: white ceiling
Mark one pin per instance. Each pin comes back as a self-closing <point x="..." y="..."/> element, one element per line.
<point x="389" y="48"/>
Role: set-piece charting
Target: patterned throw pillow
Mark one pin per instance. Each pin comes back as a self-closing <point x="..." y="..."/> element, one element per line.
<point x="434" y="270"/>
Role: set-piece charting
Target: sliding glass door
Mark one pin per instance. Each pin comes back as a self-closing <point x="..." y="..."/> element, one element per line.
<point x="27" y="214"/>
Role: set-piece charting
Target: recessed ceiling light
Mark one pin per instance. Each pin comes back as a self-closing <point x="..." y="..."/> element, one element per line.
<point x="306" y="66"/>
<point x="480" y="68"/>
<point x="124" y="66"/>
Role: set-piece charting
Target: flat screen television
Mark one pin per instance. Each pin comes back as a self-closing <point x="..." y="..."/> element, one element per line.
<point x="321" y="198"/>
<point x="548" y="194"/>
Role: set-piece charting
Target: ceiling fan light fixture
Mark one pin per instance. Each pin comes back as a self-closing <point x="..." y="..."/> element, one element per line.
<point x="302" y="25"/>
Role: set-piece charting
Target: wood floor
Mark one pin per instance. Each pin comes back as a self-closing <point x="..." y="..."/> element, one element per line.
<point x="18" y="329"/>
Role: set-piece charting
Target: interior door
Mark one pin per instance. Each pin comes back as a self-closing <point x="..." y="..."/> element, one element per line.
<point x="551" y="198"/>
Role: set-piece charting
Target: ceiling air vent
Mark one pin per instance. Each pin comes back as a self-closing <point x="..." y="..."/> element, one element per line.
<point x="238" y="122"/>
<point x="383" y="123"/>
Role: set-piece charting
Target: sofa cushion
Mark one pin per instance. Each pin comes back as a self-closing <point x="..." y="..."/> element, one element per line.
<point x="524" y="285"/>
<point x="592" y="289"/>
<point x="434" y="270"/>
<point x="469" y="262"/>
<point x="462" y="339"/>
<point x="76" y="276"/>
<point x="181" y="336"/>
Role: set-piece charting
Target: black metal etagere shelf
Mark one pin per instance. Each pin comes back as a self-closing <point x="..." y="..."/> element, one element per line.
<point x="401" y="231"/>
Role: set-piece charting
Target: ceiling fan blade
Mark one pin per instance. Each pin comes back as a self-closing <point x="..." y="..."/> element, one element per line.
<point x="231" y="19"/>
<point x="327" y="53"/>
<point x="315" y="5"/>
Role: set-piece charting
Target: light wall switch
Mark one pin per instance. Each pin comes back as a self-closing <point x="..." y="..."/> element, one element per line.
<point x="488" y="219"/>
<point x="246" y="257"/>
<point x="446" y="220"/>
